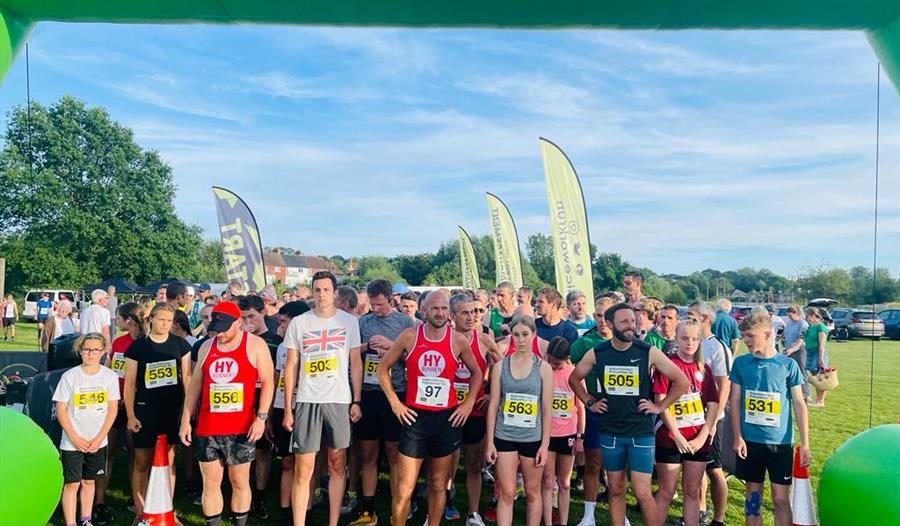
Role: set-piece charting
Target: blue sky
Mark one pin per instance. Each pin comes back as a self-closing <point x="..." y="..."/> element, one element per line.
<point x="695" y="149"/>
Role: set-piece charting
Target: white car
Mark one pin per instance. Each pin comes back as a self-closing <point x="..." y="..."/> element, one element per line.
<point x="30" y="312"/>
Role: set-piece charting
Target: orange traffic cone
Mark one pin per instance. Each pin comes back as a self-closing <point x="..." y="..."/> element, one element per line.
<point x="803" y="505"/>
<point x="158" y="509"/>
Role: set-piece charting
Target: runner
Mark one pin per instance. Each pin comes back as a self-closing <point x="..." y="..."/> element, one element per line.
<point x="717" y="356"/>
<point x="765" y="394"/>
<point x="684" y="437"/>
<point x="378" y="330"/>
<point x="409" y="304"/>
<point x="347" y="300"/>
<point x="506" y="346"/>
<point x="631" y="285"/>
<point x="519" y="421"/>
<point x="499" y="318"/>
<point x="576" y="302"/>
<point x="44" y="306"/>
<point x="566" y="433"/>
<point x="157" y="371"/>
<point x="625" y="408"/>
<point x="129" y="318"/>
<point x="486" y="353"/>
<point x="228" y="424"/>
<point x="551" y="324"/>
<point x="431" y="415"/>
<point x="593" y="464"/>
<point x="663" y="335"/>
<point x="87" y="399"/>
<point x="276" y="433"/>
<point x="322" y="346"/>
<point x="255" y="321"/>
<point x="10" y="315"/>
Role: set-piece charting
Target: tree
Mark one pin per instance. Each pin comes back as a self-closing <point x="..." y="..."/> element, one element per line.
<point x="864" y="292"/>
<point x="539" y="250"/>
<point x="374" y="267"/>
<point x="833" y="283"/>
<point x="414" y="268"/>
<point x="76" y="187"/>
<point x="210" y="263"/>
<point x="609" y="270"/>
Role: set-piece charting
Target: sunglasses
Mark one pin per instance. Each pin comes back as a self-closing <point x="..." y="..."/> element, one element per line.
<point x="478" y="311"/>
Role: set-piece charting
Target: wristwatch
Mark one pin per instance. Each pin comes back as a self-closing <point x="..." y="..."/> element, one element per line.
<point x="356" y="402"/>
<point x="262" y="416"/>
<point x="590" y="402"/>
<point x="579" y="436"/>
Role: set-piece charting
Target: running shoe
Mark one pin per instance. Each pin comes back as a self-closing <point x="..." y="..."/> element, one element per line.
<point x="348" y="503"/>
<point x="451" y="513"/>
<point x="365" y="519"/>
<point x="86" y="523"/>
<point x="260" y="509"/>
<point x="490" y="514"/>
<point x="413" y="508"/>
<point x="102" y="515"/>
<point x="475" y="520"/>
<point x="588" y="520"/>
<point x="706" y="516"/>
<point x="486" y="476"/>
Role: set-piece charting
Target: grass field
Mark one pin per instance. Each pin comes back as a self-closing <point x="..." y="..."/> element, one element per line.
<point x="846" y="414"/>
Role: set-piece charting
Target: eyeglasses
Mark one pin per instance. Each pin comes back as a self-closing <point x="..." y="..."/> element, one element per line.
<point x="478" y="311"/>
<point x="92" y="351"/>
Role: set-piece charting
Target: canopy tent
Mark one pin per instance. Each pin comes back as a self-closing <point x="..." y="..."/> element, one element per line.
<point x="151" y="288"/>
<point x="880" y="19"/>
<point x="122" y="286"/>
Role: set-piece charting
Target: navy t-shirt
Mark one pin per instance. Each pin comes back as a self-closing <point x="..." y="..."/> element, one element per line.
<point x="563" y="328"/>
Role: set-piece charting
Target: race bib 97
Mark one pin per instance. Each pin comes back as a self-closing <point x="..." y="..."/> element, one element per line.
<point x="621" y="380"/>
<point x="433" y="392"/>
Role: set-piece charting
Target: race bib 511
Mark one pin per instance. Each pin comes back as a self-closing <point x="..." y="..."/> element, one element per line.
<point x="687" y="411"/>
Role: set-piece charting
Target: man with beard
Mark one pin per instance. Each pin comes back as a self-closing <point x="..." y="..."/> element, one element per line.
<point x="577" y="304"/>
<point x="625" y="408"/>
<point x="663" y="335"/>
<point x="431" y="414"/>
<point x="499" y="318"/>
<point x="462" y="309"/>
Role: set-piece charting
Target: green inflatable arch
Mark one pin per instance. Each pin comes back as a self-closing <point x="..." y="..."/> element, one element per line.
<point x="880" y="19"/>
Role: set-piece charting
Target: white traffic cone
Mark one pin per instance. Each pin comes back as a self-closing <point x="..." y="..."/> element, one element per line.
<point x="158" y="509"/>
<point x="803" y="504"/>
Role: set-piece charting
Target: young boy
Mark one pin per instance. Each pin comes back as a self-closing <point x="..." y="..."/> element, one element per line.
<point x="766" y="386"/>
<point x="86" y="402"/>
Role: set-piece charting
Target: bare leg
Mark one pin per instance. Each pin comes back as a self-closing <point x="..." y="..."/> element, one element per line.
<point x="304" y="464"/>
<point x="408" y="472"/>
<point x="337" y="467"/>
<point x="640" y="484"/>
<point x="474" y="458"/>
<point x="211" y="501"/>
<point x="782" y="504"/>
<point x="532" y="478"/>
<point x="667" y="474"/>
<point x="505" y="482"/>
<point x="70" y="501"/>
<point x="287" y="476"/>
<point x="564" y="464"/>
<point x="368" y="459"/>
<point x="143" y="457"/>
<point x="438" y="474"/>
<point x="690" y="485"/>
<point x="719" y="490"/>
<point x="617" y="487"/>
<point x="549" y="480"/>
<point x="86" y="496"/>
<point x="241" y="495"/>
<point x="753" y="504"/>
<point x="392" y="451"/>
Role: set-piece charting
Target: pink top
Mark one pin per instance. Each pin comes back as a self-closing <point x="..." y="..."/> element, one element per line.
<point x="565" y="406"/>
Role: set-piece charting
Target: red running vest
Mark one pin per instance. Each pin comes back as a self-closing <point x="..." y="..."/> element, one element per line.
<point x="430" y="371"/>
<point x="511" y="348"/>
<point x="463" y="375"/>
<point x="229" y="390"/>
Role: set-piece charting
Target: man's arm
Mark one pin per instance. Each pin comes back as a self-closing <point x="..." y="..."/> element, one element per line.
<point x="356" y="372"/>
<point x="739" y="445"/>
<point x="192" y="394"/>
<point x="576" y="378"/>
<point x="802" y="423"/>
<point x="489" y="346"/>
<point x="406" y="415"/>
<point x="266" y="372"/>
<point x="460" y="344"/>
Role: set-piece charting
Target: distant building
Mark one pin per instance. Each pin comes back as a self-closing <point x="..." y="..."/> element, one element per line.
<point x="293" y="269"/>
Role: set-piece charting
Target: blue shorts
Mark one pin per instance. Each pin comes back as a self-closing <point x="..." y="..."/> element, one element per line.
<point x="591" y="431"/>
<point x="812" y="360"/>
<point x="637" y="452"/>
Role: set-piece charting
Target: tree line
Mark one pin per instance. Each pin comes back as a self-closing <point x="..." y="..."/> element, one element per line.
<point x="81" y="201"/>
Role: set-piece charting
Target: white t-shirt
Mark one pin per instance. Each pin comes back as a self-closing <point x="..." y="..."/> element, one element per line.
<point x="280" y="362"/>
<point x="324" y="345"/>
<point x="717" y="357"/>
<point x="63" y="326"/>
<point x="87" y="398"/>
<point x="94" y="318"/>
<point x="9" y="310"/>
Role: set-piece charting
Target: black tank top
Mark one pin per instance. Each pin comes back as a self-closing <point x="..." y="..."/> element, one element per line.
<point x="624" y="378"/>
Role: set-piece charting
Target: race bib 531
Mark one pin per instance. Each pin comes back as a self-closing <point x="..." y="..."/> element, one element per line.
<point x="762" y="408"/>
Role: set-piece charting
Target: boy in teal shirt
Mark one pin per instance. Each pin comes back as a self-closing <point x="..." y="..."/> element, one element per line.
<point x="766" y="389"/>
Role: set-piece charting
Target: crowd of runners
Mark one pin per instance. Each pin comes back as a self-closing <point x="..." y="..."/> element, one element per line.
<point x="522" y="390"/>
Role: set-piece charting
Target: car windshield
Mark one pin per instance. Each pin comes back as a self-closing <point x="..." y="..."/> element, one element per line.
<point x="864" y="315"/>
<point x="34" y="295"/>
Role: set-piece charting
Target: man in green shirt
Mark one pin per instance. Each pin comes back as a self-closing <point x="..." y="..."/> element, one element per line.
<point x="501" y="316"/>
<point x="663" y="335"/>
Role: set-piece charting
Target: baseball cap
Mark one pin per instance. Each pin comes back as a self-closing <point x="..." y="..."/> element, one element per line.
<point x="224" y="314"/>
<point x="400" y="288"/>
<point x="203" y="287"/>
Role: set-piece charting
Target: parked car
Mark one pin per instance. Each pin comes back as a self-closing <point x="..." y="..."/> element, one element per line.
<point x="30" y="311"/>
<point x="856" y="322"/>
<point x="891" y="319"/>
<point x="738" y="313"/>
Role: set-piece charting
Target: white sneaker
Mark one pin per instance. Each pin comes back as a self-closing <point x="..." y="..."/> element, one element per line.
<point x="587" y="521"/>
<point x="475" y="520"/>
<point x="626" y="522"/>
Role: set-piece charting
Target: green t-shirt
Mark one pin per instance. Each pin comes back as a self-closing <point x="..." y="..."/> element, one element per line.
<point x="811" y="337"/>
<point x="654" y="339"/>
<point x="496" y="321"/>
<point x="579" y="348"/>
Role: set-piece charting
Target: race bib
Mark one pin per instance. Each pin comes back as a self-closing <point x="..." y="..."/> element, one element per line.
<point x="520" y="410"/>
<point x="321" y="366"/>
<point x="621" y="380"/>
<point x="160" y="374"/>
<point x="433" y="392"/>
<point x="762" y="408"/>
<point x="688" y="411"/>
<point x="462" y="391"/>
<point x="90" y="400"/>
<point x="43" y="311"/>
<point x="279" y="392"/>
<point x="563" y="403"/>
<point x="369" y="368"/>
<point x="117" y="364"/>
<point x="226" y="398"/>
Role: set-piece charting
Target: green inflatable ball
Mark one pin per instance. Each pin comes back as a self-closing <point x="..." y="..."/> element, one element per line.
<point x="859" y="482"/>
<point x="30" y="472"/>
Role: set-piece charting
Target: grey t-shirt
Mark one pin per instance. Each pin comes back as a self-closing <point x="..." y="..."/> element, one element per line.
<point x="390" y="327"/>
<point x="793" y="331"/>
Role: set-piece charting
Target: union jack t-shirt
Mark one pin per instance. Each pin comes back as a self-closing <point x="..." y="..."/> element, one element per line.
<point x="324" y="345"/>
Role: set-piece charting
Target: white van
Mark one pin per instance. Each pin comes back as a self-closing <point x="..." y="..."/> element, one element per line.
<point x="30" y="312"/>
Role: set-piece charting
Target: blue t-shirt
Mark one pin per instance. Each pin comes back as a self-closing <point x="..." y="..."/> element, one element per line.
<point x="563" y="328"/>
<point x="43" y="309"/>
<point x="766" y="415"/>
<point x="726" y="329"/>
<point x="584" y="326"/>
